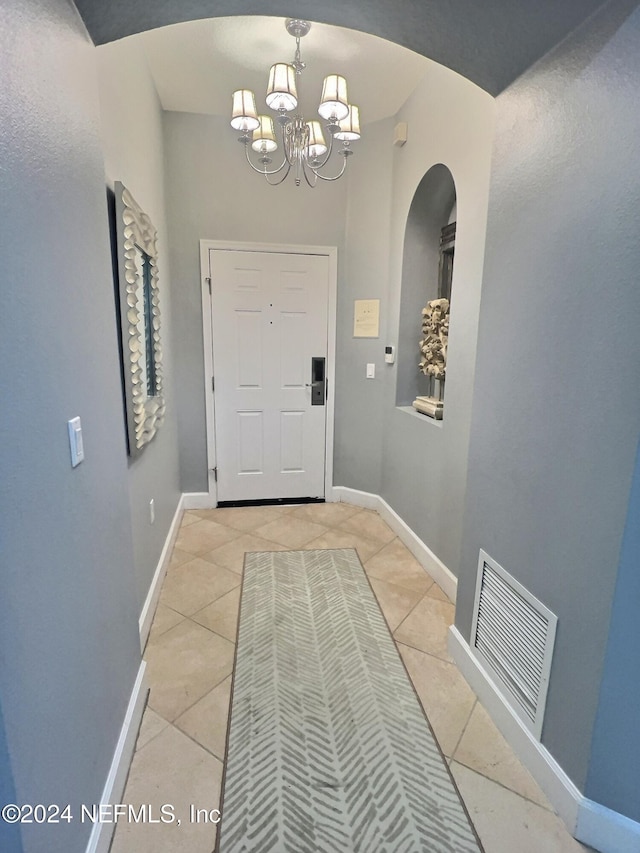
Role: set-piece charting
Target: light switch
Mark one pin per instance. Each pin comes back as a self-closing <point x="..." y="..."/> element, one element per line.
<point x="75" y="441"/>
<point x="371" y="371"/>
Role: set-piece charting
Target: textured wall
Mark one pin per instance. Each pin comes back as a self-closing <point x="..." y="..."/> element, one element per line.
<point x="131" y="123"/>
<point x="614" y="770"/>
<point x="10" y="839"/>
<point x="556" y="408"/>
<point x="450" y="121"/>
<point x="208" y="200"/>
<point x="360" y="401"/>
<point x="68" y="616"/>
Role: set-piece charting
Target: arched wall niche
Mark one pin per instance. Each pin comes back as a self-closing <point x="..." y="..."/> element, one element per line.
<point x="432" y="207"/>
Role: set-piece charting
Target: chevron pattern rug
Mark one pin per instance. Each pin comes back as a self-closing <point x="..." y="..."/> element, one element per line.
<point x="329" y="750"/>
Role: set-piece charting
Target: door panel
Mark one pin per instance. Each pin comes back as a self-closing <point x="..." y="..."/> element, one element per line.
<point x="248" y="346"/>
<point x="269" y="320"/>
<point x="292" y="441"/>
<point x="292" y="350"/>
<point x="250" y="447"/>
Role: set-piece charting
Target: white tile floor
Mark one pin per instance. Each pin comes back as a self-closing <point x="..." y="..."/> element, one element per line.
<point x="180" y="750"/>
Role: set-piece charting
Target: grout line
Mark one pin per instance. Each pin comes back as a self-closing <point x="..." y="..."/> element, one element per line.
<point x="453" y="754"/>
<point x="162" y="633"/>
<point x="207" y="628"/>
<point x="430" y="654"/>
<point x="397" y="628"/>
<point x="197" y="742"/>
<point x="504" y="787"/>
<point x="144" y="745"/>
<point x="371" y="556"/>
<point x="435" y="657"/>
<point x="215" y="600"/>
<point x="424" y="651"/>
<point x="172" y="722"/>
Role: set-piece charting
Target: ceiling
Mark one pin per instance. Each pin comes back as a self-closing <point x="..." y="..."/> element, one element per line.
<point x="491" y="42"/>
<point x="197" y="65"/>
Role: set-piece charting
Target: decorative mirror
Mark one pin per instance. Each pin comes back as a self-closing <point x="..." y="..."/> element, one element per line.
<point x="140" y="320"/>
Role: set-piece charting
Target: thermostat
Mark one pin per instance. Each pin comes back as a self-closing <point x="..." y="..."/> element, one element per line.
<point x="389" y="354"/>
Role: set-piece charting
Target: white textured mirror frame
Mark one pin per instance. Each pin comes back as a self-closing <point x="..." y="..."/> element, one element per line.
<point x="140" y="320"/>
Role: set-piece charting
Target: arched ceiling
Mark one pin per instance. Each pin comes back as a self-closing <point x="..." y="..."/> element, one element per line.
<point x="196" y="65"/>
<point x="491" y="42"/>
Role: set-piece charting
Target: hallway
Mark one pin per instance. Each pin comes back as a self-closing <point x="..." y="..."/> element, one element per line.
<point x="180" y="750"/>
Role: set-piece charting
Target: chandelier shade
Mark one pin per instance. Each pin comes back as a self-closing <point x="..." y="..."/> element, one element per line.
<point x="317" y="147"/>
<point x="281" y="91"/>
<point x="264" y="138"/>
<point x="350" y="126"/>
<point x="243" y="112"/>
<point x="334" y="104"/>
<point x="306" y="150"/>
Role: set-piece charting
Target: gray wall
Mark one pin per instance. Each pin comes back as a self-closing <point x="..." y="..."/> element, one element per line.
<point x="614" y="771"/>
<point x="131" y="131"/>
<point x="68" y="616"/>
<point x="359" y="401"/>
<point x="207" y="199"/>
<point x="556" y="406"/>
<point x="10" y="839"/>
<point x="450" y="122"/>
<point x="380" y="448"/>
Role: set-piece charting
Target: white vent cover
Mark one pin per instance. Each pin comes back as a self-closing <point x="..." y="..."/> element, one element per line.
<point x="513" y="635"/>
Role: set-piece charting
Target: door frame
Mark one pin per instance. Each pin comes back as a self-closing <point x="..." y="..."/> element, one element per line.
<point x="331" y="252"/>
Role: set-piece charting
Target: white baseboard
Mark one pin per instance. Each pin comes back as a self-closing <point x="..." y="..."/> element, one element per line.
<point x="367" y="500"/>
<point x="151" y="601"/>
<point x="606" y="830"/>
<point x="198" y="500"/>
<point x="423" y="554"/>
<point x="589" y="822"/>
<point x="100" y="838"/>
<point x="561" y="791"/>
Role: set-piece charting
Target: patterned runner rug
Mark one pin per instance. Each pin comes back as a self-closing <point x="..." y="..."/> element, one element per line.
<point x="329" y="750"/>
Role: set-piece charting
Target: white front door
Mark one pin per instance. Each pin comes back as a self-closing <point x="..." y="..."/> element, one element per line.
<point x="269" y="325"/>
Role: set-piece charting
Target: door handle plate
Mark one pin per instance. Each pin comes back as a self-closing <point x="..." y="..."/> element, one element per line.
<point x="317" y="381"/>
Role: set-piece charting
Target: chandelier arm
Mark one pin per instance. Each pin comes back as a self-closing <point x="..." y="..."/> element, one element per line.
<point x="328" y="154"/>
<point x="329" y="177"/>
<point x="275" y="183"/>
<point x="264" y="170"/>
<point x="313" y="183"/>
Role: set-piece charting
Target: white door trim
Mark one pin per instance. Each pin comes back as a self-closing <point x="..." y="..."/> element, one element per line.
<point x="331" y="252"/>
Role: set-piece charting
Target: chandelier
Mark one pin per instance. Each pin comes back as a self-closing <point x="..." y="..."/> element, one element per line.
<point x="303" y="142"/>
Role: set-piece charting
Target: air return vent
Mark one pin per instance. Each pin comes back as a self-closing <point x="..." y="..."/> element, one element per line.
<point x="513" y="635"/>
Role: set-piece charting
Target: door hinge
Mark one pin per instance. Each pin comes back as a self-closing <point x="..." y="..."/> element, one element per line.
<point x="208" y="280"/>
<point x="213" y="384"/>
<point x="214" y="471"/>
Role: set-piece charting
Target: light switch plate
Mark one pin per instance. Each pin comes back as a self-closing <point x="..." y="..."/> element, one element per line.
<point x="371" y="371"/>
<point x="75" y="441"/>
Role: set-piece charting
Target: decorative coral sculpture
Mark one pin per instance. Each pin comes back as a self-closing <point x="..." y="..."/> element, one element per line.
<point x="433" y="346"/>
